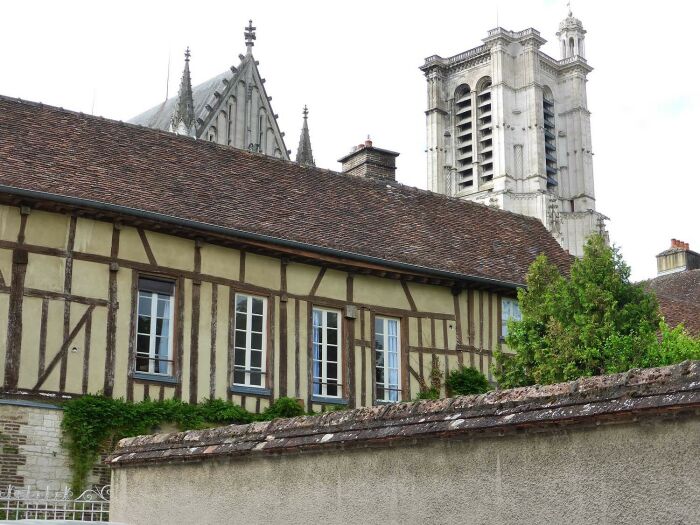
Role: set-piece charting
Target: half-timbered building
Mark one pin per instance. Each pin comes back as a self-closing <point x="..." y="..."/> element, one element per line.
<point x="144" y="264"/>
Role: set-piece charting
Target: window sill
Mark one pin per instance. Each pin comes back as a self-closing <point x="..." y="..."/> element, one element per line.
<point x="157" y="378"/>
<point x="250" y="390"/>
<point x="385" y="402"/>
<point x="329" y="400"/>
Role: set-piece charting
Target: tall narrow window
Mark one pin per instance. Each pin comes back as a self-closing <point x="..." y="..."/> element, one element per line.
<point x="464" y="145"/>
<point x="550" y="141"/>
<point x="485" y="130"/>
<point x="387" y="368"/>
<point x="154" y="330"/>
<point x="510" y="309"/>
<point x="327" y="355"/>
<point x="249" y="341"/>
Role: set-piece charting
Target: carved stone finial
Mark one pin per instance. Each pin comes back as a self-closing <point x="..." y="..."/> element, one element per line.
<point x="305" y="112"/>
<point x="249" y="35"/>
<point x="187" y="54"/>
<point x="182" y="121"/>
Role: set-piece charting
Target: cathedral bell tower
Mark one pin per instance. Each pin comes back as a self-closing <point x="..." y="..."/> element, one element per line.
<point x="508" y="126"/>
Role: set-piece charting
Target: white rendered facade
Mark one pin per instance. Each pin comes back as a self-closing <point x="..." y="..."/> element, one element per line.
<point x="509" y="126"/>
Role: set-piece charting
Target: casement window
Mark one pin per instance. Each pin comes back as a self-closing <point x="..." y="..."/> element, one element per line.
<point x="509" y="310"/>
<point x="387" y="346"/>
<point x="154" y="327"/>
<point x="250" y="345"/>
<point x="326" y="353"/>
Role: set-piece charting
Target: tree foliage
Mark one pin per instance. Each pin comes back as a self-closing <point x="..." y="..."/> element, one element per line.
<point x="595" y="321"/>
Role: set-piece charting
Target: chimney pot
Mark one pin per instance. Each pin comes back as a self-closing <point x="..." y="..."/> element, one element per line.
<point x="368" y="143"/>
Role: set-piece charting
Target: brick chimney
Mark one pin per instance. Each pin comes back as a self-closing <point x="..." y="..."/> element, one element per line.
<point x="678" y="258"/>
<point x="367" y="161"/>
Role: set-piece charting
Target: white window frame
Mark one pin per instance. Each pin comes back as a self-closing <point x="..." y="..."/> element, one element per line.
<point x="385" y="351"/>
<point x="320" y="383"/>
<point x="247" y="368"/>
<point x="506" y="313"/>
<point x="153" y="315"/>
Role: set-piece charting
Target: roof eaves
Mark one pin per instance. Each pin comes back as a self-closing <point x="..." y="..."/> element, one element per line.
<point x="222" y="230"/>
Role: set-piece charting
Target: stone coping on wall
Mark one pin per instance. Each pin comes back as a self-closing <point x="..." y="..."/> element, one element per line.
<point x="671" y="390"/>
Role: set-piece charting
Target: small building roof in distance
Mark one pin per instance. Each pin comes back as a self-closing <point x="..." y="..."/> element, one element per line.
<point x="145" y="171"/>
<point x="679" y="298"/>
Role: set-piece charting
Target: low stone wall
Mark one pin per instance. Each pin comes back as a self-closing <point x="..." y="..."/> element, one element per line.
<point x="31" y="454"/>
<point x="611" y="449"/>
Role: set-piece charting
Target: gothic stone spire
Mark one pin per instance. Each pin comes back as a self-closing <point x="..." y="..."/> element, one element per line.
<point x="182" y="121"/>
<point x="304" y="153"/>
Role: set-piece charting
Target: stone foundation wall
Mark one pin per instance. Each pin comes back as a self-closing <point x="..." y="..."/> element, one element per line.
<point x="31" y="453"/>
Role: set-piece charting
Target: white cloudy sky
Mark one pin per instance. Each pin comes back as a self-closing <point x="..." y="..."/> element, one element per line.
<point x="356" y="65"/>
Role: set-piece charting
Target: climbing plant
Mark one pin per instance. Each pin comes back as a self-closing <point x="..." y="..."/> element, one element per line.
<point x="93" y="423"/>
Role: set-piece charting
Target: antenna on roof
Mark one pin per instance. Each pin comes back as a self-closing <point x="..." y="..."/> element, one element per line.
<point x="94" y="96"/>
<point x="167" y="78"/>
<point x="497" y="16"/>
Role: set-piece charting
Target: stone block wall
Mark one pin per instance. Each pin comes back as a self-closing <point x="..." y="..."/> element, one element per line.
<point x="31" y="453"/>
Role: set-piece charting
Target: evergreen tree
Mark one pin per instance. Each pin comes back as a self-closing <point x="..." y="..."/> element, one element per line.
<point x="595" y="321"/>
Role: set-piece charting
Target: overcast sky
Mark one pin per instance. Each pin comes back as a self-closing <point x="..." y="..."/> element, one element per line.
<point x="356" y="66"/>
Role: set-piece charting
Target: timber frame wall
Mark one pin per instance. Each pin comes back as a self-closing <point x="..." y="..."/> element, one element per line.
<point x="68" y="290"/>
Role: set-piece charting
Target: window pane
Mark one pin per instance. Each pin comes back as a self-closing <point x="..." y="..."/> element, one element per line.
<point x="256" y="341"/>
<point x="162" y="367"/>
<point x="163" y="307"/>
<point x="257" y="322"/>
<point x="241" y="303"/>
<point x="238" y="376"/>
<point x="144" y="325"/>
<point x="240" y="339"/>
<point x="332" y="353"/>
<point x="332" y="371"/>
<point x="256" y="378"/>
<point x="241" y="323"/>
<point x="141" y="363"/>
<point x="379" y="376"/>
<point x="380" y="393"/>
<point x="144" y="303"/>
<point x="143" y="344"/>
<point x="162" y="349"/>
<point x="332" y="318"/>
<point x="379" y="342"/>
<point x="379" y="326"/>
<point x="332" y="390"/>
<point x="332" y="336"/>
<point x="380" y="358"/>
<point x="162" y="326"/>
<point x="239" y="357"/>
<point x="257" y="306"/>
<point x="317" y="317"/>
<point x="256" y="359"/>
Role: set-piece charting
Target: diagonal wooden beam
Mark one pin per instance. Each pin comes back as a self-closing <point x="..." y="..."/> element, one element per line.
<point x="147" y="247"/>
<point x="409" y="297"/>
<point x="317" y="282"/>
<point x="64" y="347"/>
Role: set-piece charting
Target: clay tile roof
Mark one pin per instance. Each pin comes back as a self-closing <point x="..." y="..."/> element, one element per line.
<point x="679" y="298"/>
<point x="46" y="149"/>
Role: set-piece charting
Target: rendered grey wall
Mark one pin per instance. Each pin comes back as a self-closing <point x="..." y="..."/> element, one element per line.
<point x="645" y="472"/>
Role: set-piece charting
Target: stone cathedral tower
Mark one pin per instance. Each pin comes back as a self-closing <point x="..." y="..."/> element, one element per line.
<point x="509" y="126"/>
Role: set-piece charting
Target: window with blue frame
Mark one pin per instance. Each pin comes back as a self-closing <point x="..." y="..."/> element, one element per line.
<point x="510" y="309"/>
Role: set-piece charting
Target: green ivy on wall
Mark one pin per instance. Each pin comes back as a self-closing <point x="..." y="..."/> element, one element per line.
<point x="94" y="422"/>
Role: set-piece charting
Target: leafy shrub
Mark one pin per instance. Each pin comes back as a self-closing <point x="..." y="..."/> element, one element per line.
<point x="464" y="381"/>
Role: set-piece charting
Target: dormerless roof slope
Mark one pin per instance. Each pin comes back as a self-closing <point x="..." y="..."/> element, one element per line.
<point x="76" y="156"/>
